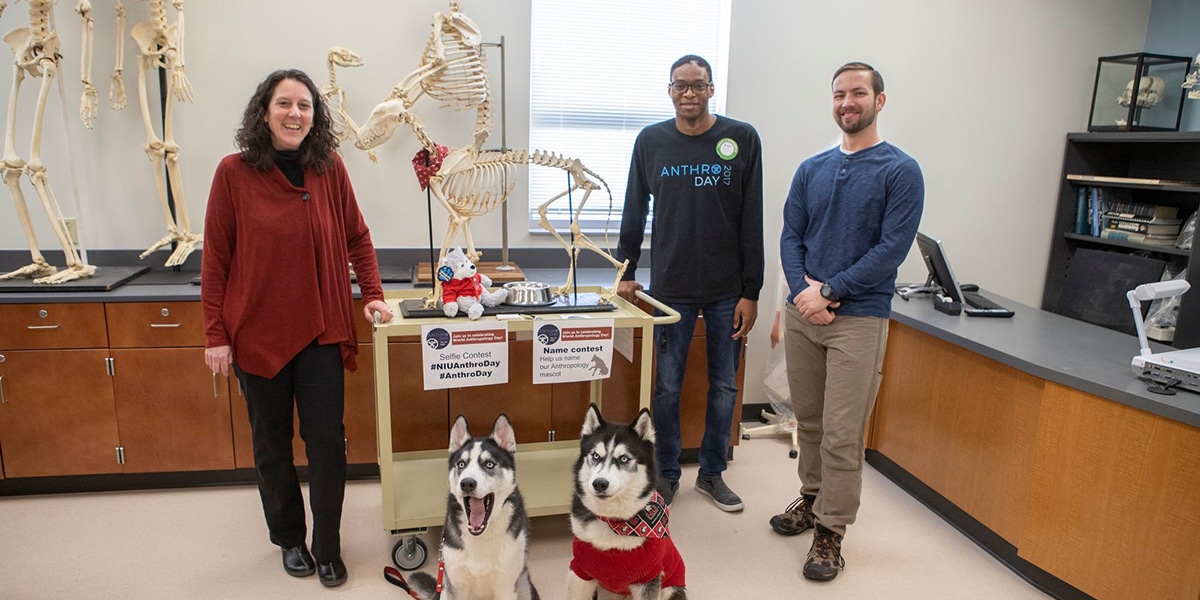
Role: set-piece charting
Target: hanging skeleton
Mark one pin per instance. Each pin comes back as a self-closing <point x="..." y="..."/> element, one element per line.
<point x="160" y="46"/>
<point x="35" y="49"/>
<point x="467" y="180"/>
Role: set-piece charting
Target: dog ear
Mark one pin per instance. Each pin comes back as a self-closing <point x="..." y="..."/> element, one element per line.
<point x="459" y="434"/>
<point x="592" y="421"/>
<point x="503" y="434"/>
<point x="644" y="425"/>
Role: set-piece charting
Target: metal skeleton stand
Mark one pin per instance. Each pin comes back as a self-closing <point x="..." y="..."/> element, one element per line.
<point x="504" y="264"/>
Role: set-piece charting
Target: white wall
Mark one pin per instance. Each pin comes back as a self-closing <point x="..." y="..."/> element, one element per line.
<point x="230" y="47"/>
<point x="981" y="94"/>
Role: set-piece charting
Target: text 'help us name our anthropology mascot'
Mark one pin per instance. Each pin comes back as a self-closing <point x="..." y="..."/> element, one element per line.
<point x="622" y="543"/>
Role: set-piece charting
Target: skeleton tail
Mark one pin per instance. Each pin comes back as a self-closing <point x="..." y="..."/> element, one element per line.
<point x="549" y="159"/>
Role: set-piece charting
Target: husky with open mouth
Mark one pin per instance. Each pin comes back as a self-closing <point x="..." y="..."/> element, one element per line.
<point x="485" y="541"/>
<point x="622" y="545"/>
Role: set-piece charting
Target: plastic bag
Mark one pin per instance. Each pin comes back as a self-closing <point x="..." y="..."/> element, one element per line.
<point x="1189" y="231"/>
<point x="1164" y="311"/>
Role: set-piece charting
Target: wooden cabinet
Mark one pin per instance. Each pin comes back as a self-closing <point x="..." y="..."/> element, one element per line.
<point x="56" y="415"/>
<point x="56" y="401"/>
<point x="52" y="326"/>
<point x="172" y="412"/>
<point x="1147" y="168"/>
<point x="84" y="385"/>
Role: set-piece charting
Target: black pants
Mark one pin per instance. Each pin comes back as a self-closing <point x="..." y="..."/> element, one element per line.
<point x="315" y="380"/>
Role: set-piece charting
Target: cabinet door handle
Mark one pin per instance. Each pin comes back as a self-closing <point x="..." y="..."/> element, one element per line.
<point x="2" y="399"/>
<point x="215" y="393"/>
<point x="41" y="326"/>
<point x="165" y="325"/>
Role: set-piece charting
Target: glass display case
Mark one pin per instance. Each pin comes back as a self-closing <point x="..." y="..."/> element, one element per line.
<point x="1138" y="92"/>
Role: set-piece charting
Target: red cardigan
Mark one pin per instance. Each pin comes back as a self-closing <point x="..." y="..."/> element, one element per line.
<point x="274" y="267"/>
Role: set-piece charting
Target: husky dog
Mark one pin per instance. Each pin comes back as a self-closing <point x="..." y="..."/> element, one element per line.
<point x="485" y="542"/>
<point x="622" y="545"/>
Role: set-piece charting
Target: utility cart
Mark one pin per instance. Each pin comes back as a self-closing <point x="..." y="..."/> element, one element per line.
<point x="414" y="482"/>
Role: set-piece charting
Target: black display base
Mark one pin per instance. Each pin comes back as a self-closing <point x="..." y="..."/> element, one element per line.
<point x="167" y="277"/>
<point x="105" y="279"/>
<point x="414" y="308"/>
<point x="392" y="274"/>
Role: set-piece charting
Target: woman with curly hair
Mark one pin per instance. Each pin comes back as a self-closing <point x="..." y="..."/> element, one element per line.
<point x="282" y="224"/>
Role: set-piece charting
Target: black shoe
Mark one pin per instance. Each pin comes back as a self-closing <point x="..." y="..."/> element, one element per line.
<point x="332" y="574"/>
<point x="298" y="562"/>
<point x="716" y="489"/>
<point x="667" y="488"/>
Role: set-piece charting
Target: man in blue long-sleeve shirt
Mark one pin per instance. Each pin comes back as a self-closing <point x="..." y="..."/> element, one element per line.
<point x="849" y="221"/>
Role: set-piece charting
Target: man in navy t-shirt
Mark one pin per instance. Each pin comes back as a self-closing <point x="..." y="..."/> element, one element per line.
<point x="704" y="173"/>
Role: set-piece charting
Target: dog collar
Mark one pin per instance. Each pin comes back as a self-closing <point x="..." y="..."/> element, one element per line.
<point x="650" y="522"/>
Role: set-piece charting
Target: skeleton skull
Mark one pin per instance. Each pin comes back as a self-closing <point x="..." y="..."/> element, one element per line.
<point x="344" y="57"/>
<point x="1150" y="92"/>
<point x="1193" y="81"/>
<point x="382" y="123"/>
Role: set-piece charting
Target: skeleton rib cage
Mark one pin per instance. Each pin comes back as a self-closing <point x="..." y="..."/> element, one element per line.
<point x="491" y="177"/>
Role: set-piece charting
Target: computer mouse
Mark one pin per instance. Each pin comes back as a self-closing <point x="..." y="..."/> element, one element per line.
<point x="969" y="287"/>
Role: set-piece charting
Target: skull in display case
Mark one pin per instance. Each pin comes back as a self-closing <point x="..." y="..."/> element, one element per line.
<point x="1136" y="92"/>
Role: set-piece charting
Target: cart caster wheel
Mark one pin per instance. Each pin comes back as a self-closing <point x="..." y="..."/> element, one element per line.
<point x="793" y="454"/>
<point x="409" y="553"/>
<point x="763" y="419"/>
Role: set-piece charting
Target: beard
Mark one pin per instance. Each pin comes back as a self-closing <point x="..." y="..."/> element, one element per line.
<point x="865" y="118"/>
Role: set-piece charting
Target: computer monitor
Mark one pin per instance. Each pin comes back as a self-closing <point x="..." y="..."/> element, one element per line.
<point x="939" y="268"/>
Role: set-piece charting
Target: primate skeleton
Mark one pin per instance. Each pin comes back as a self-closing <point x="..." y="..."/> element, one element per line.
<point x="35" y="49"/>
<point x="467" y="180"/>
<point x="160" y="46"/>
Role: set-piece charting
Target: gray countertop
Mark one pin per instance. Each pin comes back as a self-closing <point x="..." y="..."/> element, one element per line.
<point x="1055" y="348"/>
<point x="177" y="287"/>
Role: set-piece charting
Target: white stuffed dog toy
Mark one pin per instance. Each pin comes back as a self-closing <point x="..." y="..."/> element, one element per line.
<point x="464" y="289"/>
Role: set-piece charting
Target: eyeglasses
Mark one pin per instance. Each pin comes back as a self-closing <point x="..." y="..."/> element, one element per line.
<point x="698" y="88"/>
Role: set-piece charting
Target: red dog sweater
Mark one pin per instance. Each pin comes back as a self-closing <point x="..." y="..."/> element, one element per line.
<point x="616" y="570"/>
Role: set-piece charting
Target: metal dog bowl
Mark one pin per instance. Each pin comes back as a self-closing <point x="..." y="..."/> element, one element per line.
<point x="528" y="293"/>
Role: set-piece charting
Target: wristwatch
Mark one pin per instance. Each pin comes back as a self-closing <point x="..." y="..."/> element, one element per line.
<point x="827" y="293"/>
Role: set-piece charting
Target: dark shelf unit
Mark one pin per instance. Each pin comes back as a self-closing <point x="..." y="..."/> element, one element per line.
<point x="1167" y="156"/>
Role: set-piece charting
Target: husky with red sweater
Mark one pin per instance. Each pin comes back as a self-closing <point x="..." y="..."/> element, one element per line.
<point x="622" y="545"/>
<point x="485" y="541"/>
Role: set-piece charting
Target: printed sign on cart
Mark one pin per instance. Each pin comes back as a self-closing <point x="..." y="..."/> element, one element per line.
<point x="465" y="355"/>
<point x="571" y="349"/>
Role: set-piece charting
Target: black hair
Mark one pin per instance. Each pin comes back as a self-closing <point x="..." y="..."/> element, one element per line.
<point x="692" y="58"/>
<point x="254" y="136"/>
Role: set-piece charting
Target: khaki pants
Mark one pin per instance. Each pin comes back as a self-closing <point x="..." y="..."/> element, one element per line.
<point x="834" y="373"/>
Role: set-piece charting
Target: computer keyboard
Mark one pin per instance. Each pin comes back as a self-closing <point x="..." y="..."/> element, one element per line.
<point x="982" y="306"/>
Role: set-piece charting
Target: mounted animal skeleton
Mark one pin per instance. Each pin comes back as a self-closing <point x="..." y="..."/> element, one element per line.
<point x="35" y="49"/>
<point x="160" y="46"/>
<point x="467" y="180"/>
